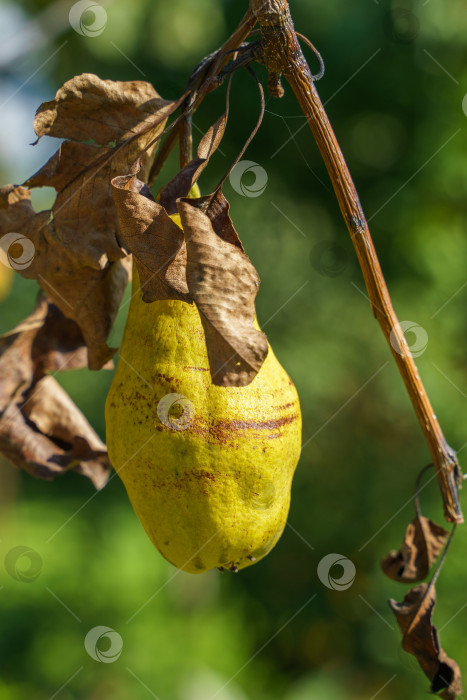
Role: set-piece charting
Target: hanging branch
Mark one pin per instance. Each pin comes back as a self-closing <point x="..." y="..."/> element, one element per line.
<point x="281" y="54"/>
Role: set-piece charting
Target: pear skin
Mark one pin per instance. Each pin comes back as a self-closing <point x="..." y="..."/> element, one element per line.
<point x="6" y="281"/>
<point x="208" y="469"/>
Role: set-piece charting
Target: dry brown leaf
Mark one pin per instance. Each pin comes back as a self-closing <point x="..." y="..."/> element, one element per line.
<point x="420" y="638"/>
<point x="63" y="441"/>
<point x="96" y="117"/>
<point x="184" y="180"/>
<point x="107" y="110"/>
<point x="224" y="283"/>
<point x="155" y="241"/>
<point x="423" y="542"/>
<point x="41" y="429"/>
<point x="45" y="341"/>
<point x="88" y="295"/>
<point x="216" y="207"/>
<point x="77" y="257"/>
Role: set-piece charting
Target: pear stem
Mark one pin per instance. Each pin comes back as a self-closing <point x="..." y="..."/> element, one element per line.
<point x="162" y="154"/>
<point x="282" y="54"/>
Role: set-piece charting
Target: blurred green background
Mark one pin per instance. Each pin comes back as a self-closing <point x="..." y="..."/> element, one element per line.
<point x="394" y="89"/>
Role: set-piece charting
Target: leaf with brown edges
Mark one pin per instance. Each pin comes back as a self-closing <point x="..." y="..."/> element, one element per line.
<point x="41" y="429"/>
<point x="420" y="638"/>
<point x="423" y="542"/>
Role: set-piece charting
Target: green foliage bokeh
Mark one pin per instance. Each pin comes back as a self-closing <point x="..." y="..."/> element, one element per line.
<point x="395" y="82"/>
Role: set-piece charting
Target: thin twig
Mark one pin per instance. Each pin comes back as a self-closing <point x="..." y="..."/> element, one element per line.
<point x="186" y="140"/>
<point x="162" y="155"/>
<point x="251" y="136"/>
<point x="282" y="54"/>
<point x="234" y="41"/>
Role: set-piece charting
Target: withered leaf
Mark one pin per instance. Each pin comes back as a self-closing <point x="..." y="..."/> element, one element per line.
<point x="44" y="341"/>
<point x="97" y="117"/>
<point x="41" y="429"/>
<point x="76" y="255"/>
<point x="89" y="295"/>
<point x="184" y="180"/>
<point x="423" y="542"/>
<point x="156" y="242"/>
<point x="216" y="207"/>
<point x="420" y="638"/>
<point x="63" y="441"/>
<point x="87" y="107"/>
<point x="224" y="283"/>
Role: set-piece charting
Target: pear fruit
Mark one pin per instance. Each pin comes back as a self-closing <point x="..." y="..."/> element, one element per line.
<point x="208" y="469"/>
<point x="6" y="281"/>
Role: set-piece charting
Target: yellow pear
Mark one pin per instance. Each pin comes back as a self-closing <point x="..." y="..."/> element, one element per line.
<point x="208" y="469"/>
<point x="6" y="280"/>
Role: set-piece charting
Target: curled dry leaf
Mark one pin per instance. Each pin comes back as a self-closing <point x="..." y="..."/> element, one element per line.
<point x="41" y="429"/>
<point x="184" y="180"/>
<point x="75" y="254"/>
<point x="155" y="241"/>
<point x="89" y="295"/>
<point x="420" y="638"/>
<point x="423" y="542"/>
<point x="224" y="283"/>
<point x="216" y="207"/>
